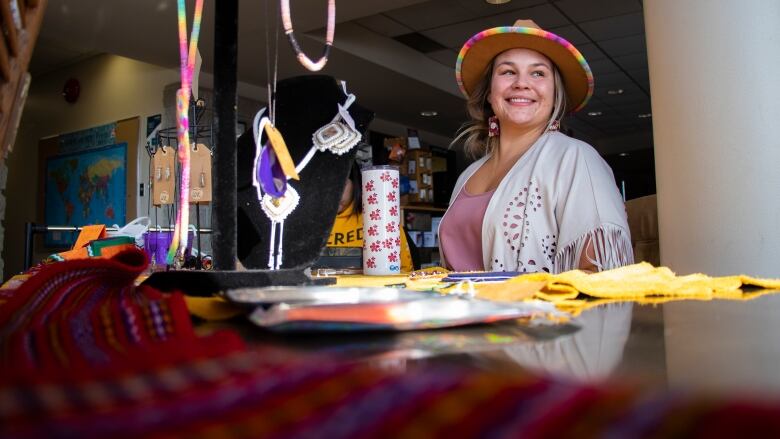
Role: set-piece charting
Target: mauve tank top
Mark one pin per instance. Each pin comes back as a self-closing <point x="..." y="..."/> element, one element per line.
<point x="460" y="232"/>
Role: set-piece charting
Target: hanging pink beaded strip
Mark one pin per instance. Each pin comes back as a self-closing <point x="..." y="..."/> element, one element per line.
<point x="288" y="30"/>
<point x="179" y="243"/>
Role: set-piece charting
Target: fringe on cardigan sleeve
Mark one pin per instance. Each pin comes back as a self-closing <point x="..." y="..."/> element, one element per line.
<point x="611" y="245"/>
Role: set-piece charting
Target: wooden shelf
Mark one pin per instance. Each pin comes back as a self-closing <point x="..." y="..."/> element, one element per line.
<point x="14" y="80"/>
<point x="423" y="208"/>
<point x="418" y="167"/>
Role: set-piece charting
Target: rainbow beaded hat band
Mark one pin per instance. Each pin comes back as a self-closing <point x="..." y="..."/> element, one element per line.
<point x="480" y="50"/>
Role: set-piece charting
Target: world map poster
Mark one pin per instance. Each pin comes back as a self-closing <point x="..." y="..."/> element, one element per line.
<point x="86" y="187"/>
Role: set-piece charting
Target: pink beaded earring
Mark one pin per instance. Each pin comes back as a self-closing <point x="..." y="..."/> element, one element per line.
<point x="555" y="125"/>
<point x="493" y="128"/>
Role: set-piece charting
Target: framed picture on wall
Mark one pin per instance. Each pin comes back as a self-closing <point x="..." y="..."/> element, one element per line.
<point x="85" y="187"/>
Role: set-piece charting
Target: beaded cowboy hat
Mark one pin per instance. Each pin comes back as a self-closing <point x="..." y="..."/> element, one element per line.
<point x="479" y="51"/>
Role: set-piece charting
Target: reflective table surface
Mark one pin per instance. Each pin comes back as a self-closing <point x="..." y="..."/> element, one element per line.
<point x="719" y="347"/>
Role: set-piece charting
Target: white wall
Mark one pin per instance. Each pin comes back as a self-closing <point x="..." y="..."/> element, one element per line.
<point x="112" y="88"/>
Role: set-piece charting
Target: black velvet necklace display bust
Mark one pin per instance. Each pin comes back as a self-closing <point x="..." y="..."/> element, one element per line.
<point x="303" y="105"/>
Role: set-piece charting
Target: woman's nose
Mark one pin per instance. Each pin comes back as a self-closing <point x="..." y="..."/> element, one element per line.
<point x="521" y="81"/>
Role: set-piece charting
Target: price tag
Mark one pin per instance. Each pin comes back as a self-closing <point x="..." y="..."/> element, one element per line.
<point x="200" y="174"/>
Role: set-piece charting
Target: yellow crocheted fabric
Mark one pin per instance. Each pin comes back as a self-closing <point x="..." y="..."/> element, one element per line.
<point x="641" y="282"/>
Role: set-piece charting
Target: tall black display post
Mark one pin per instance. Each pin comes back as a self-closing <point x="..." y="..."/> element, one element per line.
<point x="223" y="218"/>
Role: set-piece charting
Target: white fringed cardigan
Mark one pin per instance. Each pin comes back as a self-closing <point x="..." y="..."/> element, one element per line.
<point x="557" y="195"/>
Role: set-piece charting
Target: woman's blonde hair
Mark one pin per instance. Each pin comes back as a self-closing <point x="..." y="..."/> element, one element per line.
<point x="474" y="134"/>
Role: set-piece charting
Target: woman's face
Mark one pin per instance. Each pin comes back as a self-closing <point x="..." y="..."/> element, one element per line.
<point x="522" y="89"/>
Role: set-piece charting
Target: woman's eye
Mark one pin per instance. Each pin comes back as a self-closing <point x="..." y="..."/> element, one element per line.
<point x="537" y="74"/>
<point x="506" y="72"/>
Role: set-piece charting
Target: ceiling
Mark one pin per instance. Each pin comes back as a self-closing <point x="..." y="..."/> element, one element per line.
<point x="397" y="56"/>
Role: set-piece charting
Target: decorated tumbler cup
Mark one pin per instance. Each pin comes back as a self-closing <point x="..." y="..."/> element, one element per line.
<point x="381" y="221"/>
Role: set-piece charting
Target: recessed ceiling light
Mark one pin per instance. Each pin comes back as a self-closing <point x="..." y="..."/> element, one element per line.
<point x="617" y="91"/>
<point x="644" y="115"/>
<point x="497" y="2"/>
<point x="594" y="113"/>
<point x="429" y="113"/>
<point x="623" y="154"/>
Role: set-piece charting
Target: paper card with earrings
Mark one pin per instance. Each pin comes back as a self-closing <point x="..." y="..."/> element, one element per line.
<point x="200" y="174"/>
<point x="163" y="176"/>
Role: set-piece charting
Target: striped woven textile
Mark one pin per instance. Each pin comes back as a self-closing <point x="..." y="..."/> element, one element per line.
<point x="83" y="315"/>
<point x="87" y="354"/>
<point x="245" y="394"/>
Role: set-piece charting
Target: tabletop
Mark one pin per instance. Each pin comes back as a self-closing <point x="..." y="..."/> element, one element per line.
<point x="717" y="346"/>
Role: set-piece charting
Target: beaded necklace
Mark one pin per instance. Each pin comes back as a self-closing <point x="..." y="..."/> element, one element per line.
<point x="288" y="30"/>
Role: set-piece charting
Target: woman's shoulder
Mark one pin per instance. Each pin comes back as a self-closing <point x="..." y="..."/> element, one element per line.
<point x="564" y="146"/>
<point x="563" y="149"/>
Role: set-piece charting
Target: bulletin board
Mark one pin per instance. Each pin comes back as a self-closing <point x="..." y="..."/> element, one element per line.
<point x="86" y="175"/>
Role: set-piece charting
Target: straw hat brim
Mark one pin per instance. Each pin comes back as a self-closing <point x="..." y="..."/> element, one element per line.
<point x="480" y="50"/>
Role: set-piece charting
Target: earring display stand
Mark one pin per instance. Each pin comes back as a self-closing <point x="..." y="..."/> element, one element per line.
<point x="240" y="230"/>
<point x="200" y="133"/>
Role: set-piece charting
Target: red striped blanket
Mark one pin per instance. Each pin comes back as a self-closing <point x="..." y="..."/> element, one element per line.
<point x="85" y="353"/>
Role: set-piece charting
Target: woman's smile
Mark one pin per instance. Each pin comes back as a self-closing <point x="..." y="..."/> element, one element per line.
<point x="520" y="101"/>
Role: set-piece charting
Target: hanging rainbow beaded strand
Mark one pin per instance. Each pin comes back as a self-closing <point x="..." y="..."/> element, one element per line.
<point x="179" y="243"/>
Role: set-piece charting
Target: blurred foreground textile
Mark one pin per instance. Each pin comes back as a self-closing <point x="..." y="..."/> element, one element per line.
<point x="85" y="353"/>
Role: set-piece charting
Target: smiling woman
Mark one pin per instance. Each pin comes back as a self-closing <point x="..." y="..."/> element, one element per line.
<point x="536" y="200"/>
